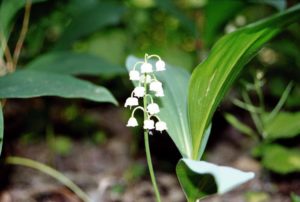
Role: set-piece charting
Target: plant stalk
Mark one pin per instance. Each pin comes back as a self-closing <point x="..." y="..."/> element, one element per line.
<point x="147" y="149"/>
<point x="150" y="166"/>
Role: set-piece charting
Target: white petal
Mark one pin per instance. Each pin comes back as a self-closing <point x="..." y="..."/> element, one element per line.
<point x="155" y="86"/>
<point x="160" y="126"/>
<point x="139" y="91"/>
<point x="146" y="68"/>
<point x="153" y="108"/>
<point x="149" y="124"/>
<point x="134" y="75"/>
<point x="160" y="93"/>
<point x="132" y="122"/>
<point x="131" y="101"/>
<point x="160" y="65"/>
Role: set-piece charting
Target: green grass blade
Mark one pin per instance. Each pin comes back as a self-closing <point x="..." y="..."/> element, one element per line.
<point x="51" y="172"/>
<point x="211" y="79"/>
<point x="240" y="126"/>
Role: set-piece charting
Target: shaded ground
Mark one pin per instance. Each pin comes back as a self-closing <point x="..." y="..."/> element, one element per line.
<point x="108" y="173"/>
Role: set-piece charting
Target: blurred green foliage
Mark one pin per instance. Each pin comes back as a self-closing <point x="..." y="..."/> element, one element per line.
<point x="90" y="40"/>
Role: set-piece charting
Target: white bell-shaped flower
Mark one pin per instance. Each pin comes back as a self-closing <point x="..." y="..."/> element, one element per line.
<point x="149" y="124"/>
<point x="139" y="91"/>
<point x="160" y="93"/>
<point x="147" y="79"/>
<point x="132" y="122"/>
<point x="160" y="65"/>
<point x="160" y="126"/>
<point x="134" y="75"/>
<point x="131" y="101"/>
<point x="146" y="68"/>
<point x="155" y="86"/>
<point x="153" y="108"/>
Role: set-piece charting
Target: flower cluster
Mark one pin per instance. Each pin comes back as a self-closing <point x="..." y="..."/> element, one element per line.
<point x="148" y="86"/>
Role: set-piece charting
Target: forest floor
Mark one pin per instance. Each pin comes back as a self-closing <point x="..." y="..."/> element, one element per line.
<point x="110" y="173"/>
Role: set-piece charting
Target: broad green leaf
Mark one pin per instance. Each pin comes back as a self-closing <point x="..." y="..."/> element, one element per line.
<point x="284" y="125"/>
<point x="174" y="109"/>
<point x="29" y="83"/>
<point x="1" y="129"/>
<point x="211" y="79"/>
<point x="74" y="64"/>
<point x="240" y="126"/>
<point x="200" y="179"/>
<point x="280" y="159"/>
<point x="90" y="20"/>
<point x="295" y="197"/>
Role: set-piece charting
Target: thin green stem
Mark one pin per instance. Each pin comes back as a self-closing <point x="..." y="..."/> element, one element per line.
<point x="256" y="119"/>
<point x="150" y="166"/>
<point x="148" y="153"/>
<point x="281" y="102"/>
<point x="51" y="172"/>
<point x="258" y="89"/>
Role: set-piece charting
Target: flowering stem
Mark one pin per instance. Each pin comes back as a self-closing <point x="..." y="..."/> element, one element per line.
<point x="149" y="161"/>
<point x="148" y="153"/>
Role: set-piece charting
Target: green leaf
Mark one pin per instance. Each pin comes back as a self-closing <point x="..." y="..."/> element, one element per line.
<point x="74" y="64"/>
<point x="14" y="160"/>
<point x="211" y="79"/>
<point x="280" y="159"/>
<point x="29" y="83"/>
<point x="173" y="104"/>
<point x="240" y="126"/>
<point x="295" y="198"/>
<point x="284" y="125"/>
<point x="200" y="179"/>
<point x="90" y="20"/>
<point x="1" y="129"/>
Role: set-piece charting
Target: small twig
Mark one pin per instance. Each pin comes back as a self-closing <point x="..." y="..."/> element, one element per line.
<point x="8" y="58"/>
<point x="23" y="33"/>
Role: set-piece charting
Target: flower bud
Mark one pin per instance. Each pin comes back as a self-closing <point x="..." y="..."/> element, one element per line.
<point x="132" y="122"/>
<point x="153" y="108"/>
<point x="149" y="124"/>
<point x="160" y="93"/>
<point x="160" y="65"/>
<point x="146" y="68"/>
<point x="155" y="86"/>
<point x="160" y="126"/>
<point x="139" y="91"/>
<point x="131" y="101"/>
<point x="134" y="75"/>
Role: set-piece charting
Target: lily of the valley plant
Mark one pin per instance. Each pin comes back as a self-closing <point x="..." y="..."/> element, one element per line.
<point x="191" y="99"/>
<point x="147" y="88"/>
